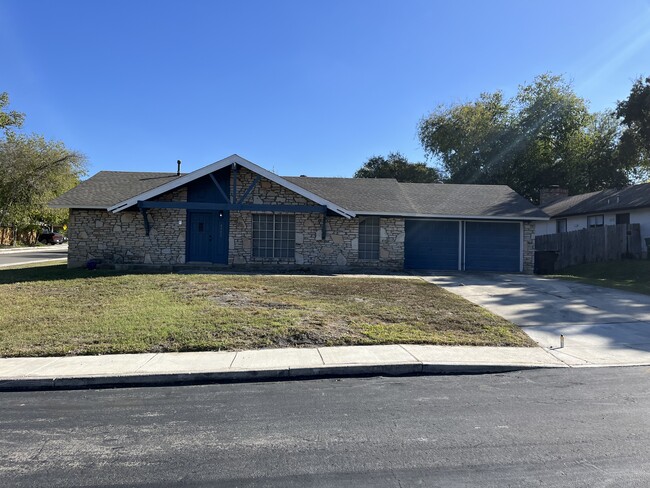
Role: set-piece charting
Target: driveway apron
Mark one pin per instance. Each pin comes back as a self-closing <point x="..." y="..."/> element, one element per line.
<point x="601" y="326"/>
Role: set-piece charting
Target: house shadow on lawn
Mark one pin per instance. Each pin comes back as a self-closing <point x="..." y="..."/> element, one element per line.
<point x="53" y="272"/>
<point x="58" y="272"/>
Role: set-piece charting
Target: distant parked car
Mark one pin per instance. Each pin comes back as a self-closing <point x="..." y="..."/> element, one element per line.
<point x="51" y="238"/>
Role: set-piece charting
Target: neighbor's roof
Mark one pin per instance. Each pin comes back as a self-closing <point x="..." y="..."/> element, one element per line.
<point x="386" y="196"/>
<point x="109" y="187"/>
<point x="116" y="190"/>
<point x="636" y="196"/>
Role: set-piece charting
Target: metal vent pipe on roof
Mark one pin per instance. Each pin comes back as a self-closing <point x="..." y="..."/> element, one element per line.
<point x="178" y="170"/>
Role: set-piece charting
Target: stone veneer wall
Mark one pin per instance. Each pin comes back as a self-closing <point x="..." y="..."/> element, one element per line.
<point x="120" y="238"/>
<point x="529" y="247"/>
<point x="339" y="248"/>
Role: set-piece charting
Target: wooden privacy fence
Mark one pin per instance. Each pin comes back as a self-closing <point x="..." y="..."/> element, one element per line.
<point x="596" y="244"/>
<point x="22" y="236"/>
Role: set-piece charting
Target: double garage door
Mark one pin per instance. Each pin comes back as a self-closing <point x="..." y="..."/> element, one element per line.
<point x="454" y="245"/>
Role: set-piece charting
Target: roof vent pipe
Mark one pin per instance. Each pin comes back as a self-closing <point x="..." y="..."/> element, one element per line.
<point x="178" y="170"/>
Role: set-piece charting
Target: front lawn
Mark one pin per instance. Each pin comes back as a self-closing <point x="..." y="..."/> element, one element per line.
<point x="50" y="310"/>
<point x="629" y="275"/>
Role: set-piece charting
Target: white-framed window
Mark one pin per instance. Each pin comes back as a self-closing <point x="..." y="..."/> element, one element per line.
<point x="595" y="221"/>
<point x="274" y="236"/>
<point x="560" y="225"/>
<point x="369" y="238"/>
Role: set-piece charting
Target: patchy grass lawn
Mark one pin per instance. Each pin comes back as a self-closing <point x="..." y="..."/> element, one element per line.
<point x="50" y="310"/>
<point x="629" y="275"/>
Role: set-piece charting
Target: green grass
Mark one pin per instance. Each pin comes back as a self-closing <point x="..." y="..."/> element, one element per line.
<point x="629" y="275"/>
<point x="50" y="310"/>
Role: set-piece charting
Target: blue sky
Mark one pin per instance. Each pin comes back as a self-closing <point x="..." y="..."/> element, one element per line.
<point x="299" y="87"/>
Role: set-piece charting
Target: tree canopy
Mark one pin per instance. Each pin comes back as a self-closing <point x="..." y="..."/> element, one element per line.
<point x="33" y="171"/>
<point x="397" y="166"/>
<point x="9" y="118"/>
<point x="635" y="117"/>
<point x="544" y="135"/>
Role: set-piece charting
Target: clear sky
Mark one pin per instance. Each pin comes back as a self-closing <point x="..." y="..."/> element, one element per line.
<point x="299" y="87"/>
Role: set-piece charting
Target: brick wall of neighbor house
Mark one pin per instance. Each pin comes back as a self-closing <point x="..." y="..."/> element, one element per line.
<point x="529" y="247"/>
<point x="339" y="248"/>
<point x="120" y="238"/>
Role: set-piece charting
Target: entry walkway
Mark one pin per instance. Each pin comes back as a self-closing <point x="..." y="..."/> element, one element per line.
<point x="601" y="326"/>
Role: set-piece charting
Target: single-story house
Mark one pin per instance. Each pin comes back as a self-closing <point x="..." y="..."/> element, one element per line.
<point x="236" y="213"/>
<point x="629" y="205"/>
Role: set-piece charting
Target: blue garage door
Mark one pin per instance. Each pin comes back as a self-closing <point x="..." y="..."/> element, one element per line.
<point x="492" y="246"/>
<point x="431" y="244"/>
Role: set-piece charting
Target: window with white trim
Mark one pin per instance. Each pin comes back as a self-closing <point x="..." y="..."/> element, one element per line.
<point x="369" y="238"/>
<point x="595" y="221"/>
<point x="274" y="236"/>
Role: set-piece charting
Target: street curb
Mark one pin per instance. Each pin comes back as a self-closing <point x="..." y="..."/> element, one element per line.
<point x="242" y="376"/>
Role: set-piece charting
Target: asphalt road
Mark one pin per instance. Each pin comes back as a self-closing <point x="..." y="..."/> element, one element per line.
<point x="550" y="428"/>
<point x="43" y="254"/>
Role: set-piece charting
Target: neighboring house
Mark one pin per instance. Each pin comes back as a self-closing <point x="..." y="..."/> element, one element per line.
<point x="630" y="205"/>
<point x="234" y="212"/>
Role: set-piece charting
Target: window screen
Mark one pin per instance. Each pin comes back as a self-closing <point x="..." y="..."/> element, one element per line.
<point x="560" y="225"/>
<point x="274" y="236"/>
<point x="369" y="238"/>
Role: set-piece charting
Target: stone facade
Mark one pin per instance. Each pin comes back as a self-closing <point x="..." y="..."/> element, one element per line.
<point x="120" y="239"/>
<point x="116" y="239"/>
<point x="529" y="247"/>
<point x="339" y="248"/>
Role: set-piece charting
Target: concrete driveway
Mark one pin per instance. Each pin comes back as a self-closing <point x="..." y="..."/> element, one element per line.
<point x="601" y="326"/>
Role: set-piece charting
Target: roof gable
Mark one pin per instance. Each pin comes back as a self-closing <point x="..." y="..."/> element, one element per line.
<point x="206" y="170"/>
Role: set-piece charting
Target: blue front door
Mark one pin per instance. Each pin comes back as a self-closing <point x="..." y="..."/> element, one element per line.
<point x="208" y="237"/>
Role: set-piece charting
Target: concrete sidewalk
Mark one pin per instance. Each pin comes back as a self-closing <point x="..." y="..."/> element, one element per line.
<point x="265" y="364"/>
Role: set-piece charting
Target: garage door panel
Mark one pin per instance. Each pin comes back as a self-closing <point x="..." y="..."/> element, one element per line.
<point x="492" y="246"/>
<point x="431" y="244"/>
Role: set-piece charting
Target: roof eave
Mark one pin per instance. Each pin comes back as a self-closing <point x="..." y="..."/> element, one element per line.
<point x="79" y="207"/>
<point x="446" y="216"/>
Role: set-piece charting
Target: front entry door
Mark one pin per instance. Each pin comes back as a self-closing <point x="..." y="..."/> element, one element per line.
<point x="208" y="237"/>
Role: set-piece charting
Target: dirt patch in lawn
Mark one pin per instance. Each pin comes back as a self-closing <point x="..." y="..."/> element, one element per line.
<point x="50" y="310"/>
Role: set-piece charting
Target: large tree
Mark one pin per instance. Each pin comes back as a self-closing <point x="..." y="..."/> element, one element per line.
<point x="33" y="171"/>
<point x="634" y="113"/>
<point x="542" y="136"/>
<point x="397" y="166"/>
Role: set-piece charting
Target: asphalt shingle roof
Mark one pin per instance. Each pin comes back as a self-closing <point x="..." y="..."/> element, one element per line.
<point x="386" y="195"/>
<point x="637" y="196"/>
<point x="356" y="194"/>
<point x="361" y="195"/>
<point x="107" y="188"/>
